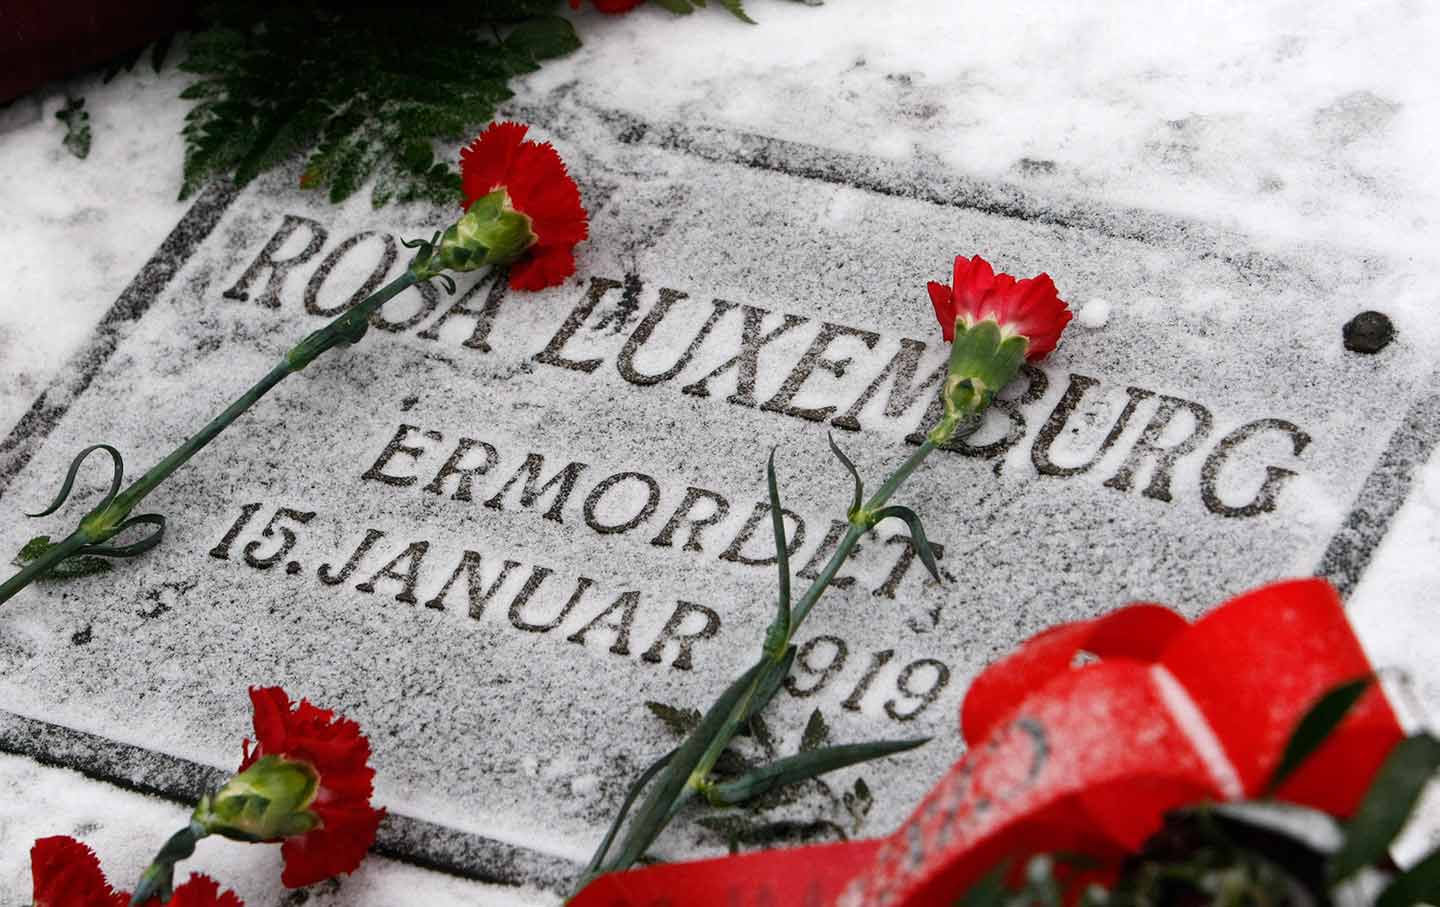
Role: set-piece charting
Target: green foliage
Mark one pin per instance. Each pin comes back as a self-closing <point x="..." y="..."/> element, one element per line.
<point x="1316" y="726"/>
<point x="679" y="721"/>
<point x="816" y="734"/>
<point x="686" y="7"/>
<point x="1387" y="805"/>
<point x="126" y="61"/>
<point x="77" y="127"/>
<point x="363" y="91"/>
<point x="1260" y="852"/>
<point x="858" y="801"/>
<point x="70" y="568"/>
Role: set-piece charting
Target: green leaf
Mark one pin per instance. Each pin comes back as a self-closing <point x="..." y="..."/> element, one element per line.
<point x="543" y="38"/>
<point x="679" y="721"/>
<point x="630" y="797"/>
<point x="858" y="802"/>
<point x="1387" y="805"/>
<point x="803" y="767"/>
<point x="673" y="784"/>
<point x="917" y="536"/>
<point x="680" y="7"/>
<point x="1418" y="885"/>
<point x="817" y="732"/>
<point x="70" y="568"/>
<point x="77" y="127"/>
<point x="355" y="89"/>
<point x="859" y="499"/>
<point x="770" y="683"/>
<point x="737" y="10"/>
<point x="1315" y="728"/>
<point x="779" y="630"/>
<point x="990" y="890"/>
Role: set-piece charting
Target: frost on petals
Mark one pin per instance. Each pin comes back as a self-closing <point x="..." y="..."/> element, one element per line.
<point x="536" y="185"/>
<point x="1030" y="308"/>
<point x="339" y="754"/>
<point x="66" y="873"/>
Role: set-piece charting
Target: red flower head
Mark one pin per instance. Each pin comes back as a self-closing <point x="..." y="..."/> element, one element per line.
<point x="526" y="207"/>
<point x="66" y="873"/>
<point x="1028" y="308"/>
<point x="313" y="769"/>
<point x="611" y="6"/>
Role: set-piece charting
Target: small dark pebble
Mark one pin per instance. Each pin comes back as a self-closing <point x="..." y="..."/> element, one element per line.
<point x="82" y="637"/>
<point x="1368" y="332"/>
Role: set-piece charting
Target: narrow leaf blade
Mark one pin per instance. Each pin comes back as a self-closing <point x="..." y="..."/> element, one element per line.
<point x="779" y="630"/>
<point x="1419" y="885"/>
<point x="805" y="766"/>
<point x="859" y="498"/>
<point x="1315" y="728"/>
<point x="668" y="792"/>
<point x="1387" y="805"/>
<point x="917" y="536"/>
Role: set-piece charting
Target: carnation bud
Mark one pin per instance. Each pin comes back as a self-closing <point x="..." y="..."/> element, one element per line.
<point x="268" y="801"/>
<point x="491" y="232"/>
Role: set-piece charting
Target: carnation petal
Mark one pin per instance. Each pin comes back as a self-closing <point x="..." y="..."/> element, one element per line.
<point x="944" y="303"/>
<point x="486" y="162"/>
<point x="543" y="268"/>
<point x="203" y="891"/>
<point x="66" y="873"/>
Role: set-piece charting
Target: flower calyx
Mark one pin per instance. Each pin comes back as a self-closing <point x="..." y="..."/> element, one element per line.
<point x="268" y="801"/>
<point x="490" y="232"/>
<point x="983" y="358"/>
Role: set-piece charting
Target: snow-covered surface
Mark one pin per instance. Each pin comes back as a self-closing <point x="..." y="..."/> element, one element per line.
<point x="125" y="830"/>
<point x="1291" y="123"/>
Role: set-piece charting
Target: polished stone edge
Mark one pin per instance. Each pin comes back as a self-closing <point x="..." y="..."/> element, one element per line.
<point x="402" y="838"/>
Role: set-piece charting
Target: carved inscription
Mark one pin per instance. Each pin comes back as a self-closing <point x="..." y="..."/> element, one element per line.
<point x="1132" y="440"/>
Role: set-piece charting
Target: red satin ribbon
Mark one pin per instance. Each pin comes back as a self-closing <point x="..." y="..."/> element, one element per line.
<point x="1085" y="759"/>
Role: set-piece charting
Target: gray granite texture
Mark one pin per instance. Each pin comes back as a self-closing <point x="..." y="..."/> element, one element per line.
<point x="498" y="525"/>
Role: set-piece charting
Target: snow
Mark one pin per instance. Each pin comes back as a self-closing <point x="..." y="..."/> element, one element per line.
<point x="1293" y="123"/>
<point x="126" y="829"/>
<point x="1094" y="313"/>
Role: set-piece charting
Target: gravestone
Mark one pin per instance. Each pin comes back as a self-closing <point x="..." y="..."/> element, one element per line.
<point x="502" y="523"/>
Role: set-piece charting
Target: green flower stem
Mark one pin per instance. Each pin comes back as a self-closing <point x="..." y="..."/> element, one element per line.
<point x="645" y="830"/>
<point x="104" y="522"/>
<point x="158" y="879"/>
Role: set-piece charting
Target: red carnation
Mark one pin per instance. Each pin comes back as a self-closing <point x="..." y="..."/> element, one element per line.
<point x="536" y="185"/>
<point x="337" y="753"/>
<point x="1028" y="308"/>
<point x="610" y="6"/>
<point x="66" y="873"/>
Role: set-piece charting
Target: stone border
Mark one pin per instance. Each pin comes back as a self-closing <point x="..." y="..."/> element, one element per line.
<point x="1386" y="488"/>
<point x="484" y="859"/>
<point x="402" y="838"/>
<point x="50" y="407"/>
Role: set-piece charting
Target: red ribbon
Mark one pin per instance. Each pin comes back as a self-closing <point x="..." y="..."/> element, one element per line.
<point x="1085" y="759"/>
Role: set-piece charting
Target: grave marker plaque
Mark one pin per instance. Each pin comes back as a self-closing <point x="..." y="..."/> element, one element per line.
<point x="501" y="523"/>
